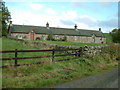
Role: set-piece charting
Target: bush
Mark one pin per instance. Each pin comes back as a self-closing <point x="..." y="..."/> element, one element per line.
<point x="37" y="38"/>
<point x="113" y="51"/>
<point x="65" y="38"/>
<point x="115" y="35"/>
<point x="50" y="37"/>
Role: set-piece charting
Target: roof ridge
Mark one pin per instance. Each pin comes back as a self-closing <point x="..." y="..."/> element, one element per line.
<point x="57" y="27"/>
<point x="28" y="25"/>
<point x="88" y="30"/>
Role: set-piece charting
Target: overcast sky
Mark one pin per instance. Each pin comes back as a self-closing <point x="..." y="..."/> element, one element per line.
<point x="87" y="15"/>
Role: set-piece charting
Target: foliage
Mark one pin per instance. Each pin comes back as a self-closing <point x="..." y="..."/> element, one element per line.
<point x="64" y="39"/>
<point x="5" y="17"/>
<point x="113" y="51"/>
<point x="115" y="35"/>
<point x="50" y="37"/>
<point x="37" y="38"/>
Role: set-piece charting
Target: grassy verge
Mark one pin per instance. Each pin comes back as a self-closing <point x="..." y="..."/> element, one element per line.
<point x="45" y="75"/>
<point x="37" y="76"/>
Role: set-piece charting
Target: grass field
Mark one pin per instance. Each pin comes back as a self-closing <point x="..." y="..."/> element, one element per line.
<point x="45" y="75"/>
<point x="74" y="43"/>
<point x="70" y="43"/>
<point x="108" y="37"/>
<point x="8" y="44"/>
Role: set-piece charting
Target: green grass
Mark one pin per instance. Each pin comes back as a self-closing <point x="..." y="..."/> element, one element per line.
<point x="68" y="43"/>
<point x="8" y="44"/>
<point x="108" y="37"/>
<point x="73" y="43"/>
<point x="37" y="76"/>
<point x="45" y="75"/>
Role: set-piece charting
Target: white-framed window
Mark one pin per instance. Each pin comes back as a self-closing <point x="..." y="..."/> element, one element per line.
<point x="19" y="36"/>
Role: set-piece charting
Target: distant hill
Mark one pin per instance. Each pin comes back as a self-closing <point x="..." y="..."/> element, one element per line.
<point x="108" y="37"/>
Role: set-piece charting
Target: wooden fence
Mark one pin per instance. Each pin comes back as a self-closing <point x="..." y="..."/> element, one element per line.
<point x="76" y="53"/>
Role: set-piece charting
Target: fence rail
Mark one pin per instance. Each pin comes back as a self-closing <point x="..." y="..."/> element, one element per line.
<point x="16" y="58"/>
<point x="13" y="51"/>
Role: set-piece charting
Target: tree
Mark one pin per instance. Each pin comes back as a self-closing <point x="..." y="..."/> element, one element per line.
<point x="115" y="35"/>
<point x="4" y="18"/>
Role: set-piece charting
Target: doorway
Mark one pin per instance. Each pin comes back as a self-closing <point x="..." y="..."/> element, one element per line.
<point x="32" y="35"/>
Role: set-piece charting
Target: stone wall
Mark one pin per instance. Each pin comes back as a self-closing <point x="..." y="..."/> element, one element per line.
<point x="89" y="50"/>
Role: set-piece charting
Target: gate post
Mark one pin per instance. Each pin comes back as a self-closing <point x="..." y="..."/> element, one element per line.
<point x="16" y="57"/>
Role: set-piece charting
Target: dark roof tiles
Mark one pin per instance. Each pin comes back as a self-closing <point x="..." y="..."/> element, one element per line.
<point x="54" y="30"/>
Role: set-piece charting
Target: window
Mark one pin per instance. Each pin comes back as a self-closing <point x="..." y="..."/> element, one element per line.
<point x="19" y="36"/>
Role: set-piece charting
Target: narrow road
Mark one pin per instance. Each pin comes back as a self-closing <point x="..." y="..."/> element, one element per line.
<point x="107" y="79"/>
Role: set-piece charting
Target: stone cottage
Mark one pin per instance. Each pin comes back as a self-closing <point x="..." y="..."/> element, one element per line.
<point x="28" y="32"/>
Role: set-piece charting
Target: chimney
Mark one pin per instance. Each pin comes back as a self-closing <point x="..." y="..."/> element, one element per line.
<point x="100" y="29"/>
<point x="75" y="27"/>
<point x="47" y="25"/>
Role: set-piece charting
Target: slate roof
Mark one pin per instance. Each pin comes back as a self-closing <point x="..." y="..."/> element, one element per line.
<point x="54" y="30"/>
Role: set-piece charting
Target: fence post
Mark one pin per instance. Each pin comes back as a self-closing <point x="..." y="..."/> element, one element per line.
<point x="76" y="53"/>
<point x="16" y="57"/>
<point x="79" y="53"/>
<point x="53" y="52"/>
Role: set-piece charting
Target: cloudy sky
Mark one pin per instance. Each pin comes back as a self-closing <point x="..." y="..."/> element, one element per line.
<point x="87" y="15"/>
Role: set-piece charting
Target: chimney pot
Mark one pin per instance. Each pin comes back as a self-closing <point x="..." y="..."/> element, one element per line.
<point x="47" y="24"/>
<point x="75" y="26"/>
<point x="99" y="29"/>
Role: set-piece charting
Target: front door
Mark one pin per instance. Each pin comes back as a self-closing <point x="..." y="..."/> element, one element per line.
<point x="32" y="36"/>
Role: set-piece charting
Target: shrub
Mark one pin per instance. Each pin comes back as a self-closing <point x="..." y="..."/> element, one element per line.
<point x="37" y="38"/>
<point x="50" y="37"/>
<point x="64" y="39"/>
<point x="115" y="35"/>
<point x="113" y="51"/>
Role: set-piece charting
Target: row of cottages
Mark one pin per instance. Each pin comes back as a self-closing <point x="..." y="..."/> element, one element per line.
<point x="28" y="32"/>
